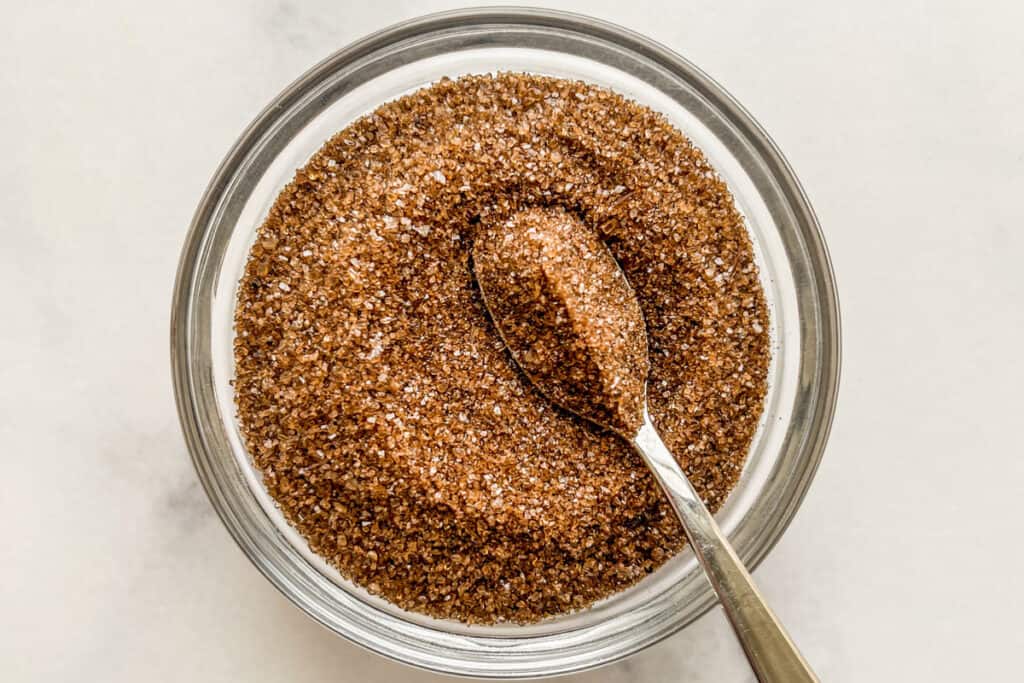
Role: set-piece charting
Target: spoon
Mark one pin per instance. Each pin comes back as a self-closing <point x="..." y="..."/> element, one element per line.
<point x="573" y="324"/>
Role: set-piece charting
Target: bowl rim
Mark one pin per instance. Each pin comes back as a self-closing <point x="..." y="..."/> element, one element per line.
<point x="820" y="267"/>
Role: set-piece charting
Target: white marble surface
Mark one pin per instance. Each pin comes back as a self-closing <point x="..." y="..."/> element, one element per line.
<point x="903" y="119"/>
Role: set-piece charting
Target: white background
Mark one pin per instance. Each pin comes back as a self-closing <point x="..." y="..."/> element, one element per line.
<point x="904" y="120"/>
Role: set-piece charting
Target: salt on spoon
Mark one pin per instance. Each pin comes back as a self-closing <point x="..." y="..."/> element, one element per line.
<point x="571" y="321"/>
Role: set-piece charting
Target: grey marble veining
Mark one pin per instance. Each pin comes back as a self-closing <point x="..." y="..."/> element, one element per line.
<point x="902" y="119"/>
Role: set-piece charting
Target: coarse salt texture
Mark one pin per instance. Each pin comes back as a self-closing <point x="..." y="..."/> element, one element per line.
<point x="391" y="424"/>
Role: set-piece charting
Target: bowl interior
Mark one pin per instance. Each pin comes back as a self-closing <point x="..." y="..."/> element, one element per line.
<point x="785" y="449"/>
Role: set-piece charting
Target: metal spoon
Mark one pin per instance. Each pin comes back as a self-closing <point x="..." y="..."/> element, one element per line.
<point x="544" y="277"/>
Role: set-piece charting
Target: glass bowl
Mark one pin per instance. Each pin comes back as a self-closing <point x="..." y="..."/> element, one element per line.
<point x="795" y="272"/>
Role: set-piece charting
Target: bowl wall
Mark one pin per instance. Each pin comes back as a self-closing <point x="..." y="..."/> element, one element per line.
<point x="795" y="273"/>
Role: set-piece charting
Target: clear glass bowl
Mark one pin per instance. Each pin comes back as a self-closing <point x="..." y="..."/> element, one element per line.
<point x="795" y="270"/>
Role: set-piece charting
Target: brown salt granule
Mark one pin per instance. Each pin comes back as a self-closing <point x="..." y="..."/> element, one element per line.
<point x="390" y="422"/>
<point x="567" y="314"/>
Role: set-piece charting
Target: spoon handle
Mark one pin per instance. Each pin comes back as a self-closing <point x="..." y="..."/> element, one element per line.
<point x="771" y="653"/>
